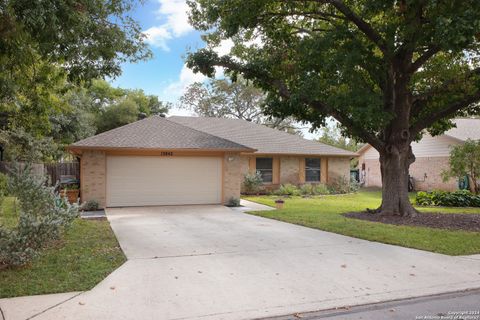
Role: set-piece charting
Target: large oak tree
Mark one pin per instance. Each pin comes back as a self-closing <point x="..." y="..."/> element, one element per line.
<point x="387" y="70"/>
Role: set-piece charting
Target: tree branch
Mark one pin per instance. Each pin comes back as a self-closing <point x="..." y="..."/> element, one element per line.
<point x="431" y="118"/>
<point x="283" y="91"/>
<point x="417" y="64"/>
<point x="417" y="100"/>
<point x="360" y="23"/>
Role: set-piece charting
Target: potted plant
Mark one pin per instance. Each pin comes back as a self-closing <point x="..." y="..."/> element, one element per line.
<point x="71" y="192"/>
<point x="279" y="203"/>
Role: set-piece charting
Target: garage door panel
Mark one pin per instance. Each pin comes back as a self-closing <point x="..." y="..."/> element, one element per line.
<point x="144" y="180"/>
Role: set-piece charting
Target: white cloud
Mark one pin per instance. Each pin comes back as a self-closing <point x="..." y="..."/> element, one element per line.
<point x="174" y="17"/>
<point x="187" y="77"/>
<point x="158" y="36"/>
<point x="224" y="47"/>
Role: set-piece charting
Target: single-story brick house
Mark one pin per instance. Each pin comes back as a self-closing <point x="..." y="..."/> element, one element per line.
<point x="191" y="160"/>
<point x="431" y="153"/>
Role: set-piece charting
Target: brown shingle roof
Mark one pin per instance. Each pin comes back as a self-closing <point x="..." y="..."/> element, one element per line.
<point x="265" y="140"/>
<point x="158" y="133"/>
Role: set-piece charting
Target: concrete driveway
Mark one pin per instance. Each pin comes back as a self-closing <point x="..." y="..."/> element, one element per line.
<point x="210" y="262"/>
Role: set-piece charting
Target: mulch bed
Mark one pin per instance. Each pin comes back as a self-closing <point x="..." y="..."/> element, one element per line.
<point x="454" y="221"/>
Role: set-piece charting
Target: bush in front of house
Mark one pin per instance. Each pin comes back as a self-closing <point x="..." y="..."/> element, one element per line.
<point x="313" y="189"/>
<point x="233" y="202"/>
<point x="43" y="216"/>
<point x="287" y="189"/>
<point x="90" y="205"/>
<point x="307" y="189"/>
<point x="460" y="198"/>
<point x="321" y="189"/>
<point x="252" y="182"/>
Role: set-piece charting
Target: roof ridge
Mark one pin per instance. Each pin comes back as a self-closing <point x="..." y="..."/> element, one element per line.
<point x="115" y="129"/>
<point x="209" y="134"/>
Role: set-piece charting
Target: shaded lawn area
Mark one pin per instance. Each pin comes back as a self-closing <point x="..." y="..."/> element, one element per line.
<point x="325" y="213"/>
<point x="87" y="253"/>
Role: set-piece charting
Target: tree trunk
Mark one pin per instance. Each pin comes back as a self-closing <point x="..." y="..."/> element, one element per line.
<point x="395" y="162"/>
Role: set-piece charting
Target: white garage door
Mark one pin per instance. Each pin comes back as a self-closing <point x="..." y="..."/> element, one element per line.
<point x="149" y="180"/>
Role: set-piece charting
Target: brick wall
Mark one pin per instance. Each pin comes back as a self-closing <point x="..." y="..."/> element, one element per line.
<point x="92" y="175"/>
<point x="426" y="172"/>
<point x="290" y="167"/>
<point x="233" y="168"/>
<point x="289" y="170"/>
<point x="338" y="168"/>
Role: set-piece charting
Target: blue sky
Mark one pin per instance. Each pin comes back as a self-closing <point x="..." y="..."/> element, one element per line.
<point x="170" y="37"/>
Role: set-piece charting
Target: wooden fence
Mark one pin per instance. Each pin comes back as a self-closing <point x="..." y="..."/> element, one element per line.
<point x="56" y="170"/>
<point x="53" y="171"/>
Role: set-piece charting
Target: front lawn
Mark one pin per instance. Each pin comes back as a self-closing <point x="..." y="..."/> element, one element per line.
<point x="324" y="213"/>
<point x="87" y="253"/>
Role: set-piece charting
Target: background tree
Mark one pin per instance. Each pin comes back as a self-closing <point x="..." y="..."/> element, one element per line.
<point x="80" y="112"/>
<point x="465" y="161"/>
<point x="223" y="98"/>
<point x="48" y="46"/>
<point x="332" y="135"/>
<point x="386" y="70"/>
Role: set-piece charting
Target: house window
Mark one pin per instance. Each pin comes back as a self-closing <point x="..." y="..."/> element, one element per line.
<point x="265" y="167"/>
<point x="312" y="169"/>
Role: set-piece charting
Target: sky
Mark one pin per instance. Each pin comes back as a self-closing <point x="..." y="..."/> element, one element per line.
<point x="170" y="37"/>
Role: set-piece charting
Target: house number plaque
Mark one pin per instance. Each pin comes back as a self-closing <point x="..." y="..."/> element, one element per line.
<point x="166" y="154"/>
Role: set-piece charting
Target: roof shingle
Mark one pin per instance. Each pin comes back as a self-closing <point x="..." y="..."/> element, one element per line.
<point x="266" y="140"/>
<point x="158" y="133"/>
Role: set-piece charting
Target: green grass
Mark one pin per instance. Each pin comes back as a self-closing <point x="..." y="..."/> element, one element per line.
<point x="324" y="213"/>
<point x="88" y="252"/>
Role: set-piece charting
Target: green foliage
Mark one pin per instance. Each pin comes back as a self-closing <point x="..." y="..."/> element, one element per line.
<point x="288" y="190"/>
<point x="48" y="47"/>
<point x="3" y="185"/>
<point x="252" y="182"/>
<point x="465" y="160"/>
<point x="338" y="58"/>
<point x="332" y="135"/>
<point x="23" y="146"/>
<point x="43" y="217"/>
<point x="90" y="205"/>
<point x="308" y="189"/>
<point x="87" y="253"/>
<point x="321" y="189"/>
<point x="233" y="202"/>
<point x="460" y="198"/>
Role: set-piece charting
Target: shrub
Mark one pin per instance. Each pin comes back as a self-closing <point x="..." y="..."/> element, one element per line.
<point x="43" y="215"/>
<point x="354" y="185"/>
<point x="288" y="190"/>
<point x="233" y="202"/>
<point x="307" y="190"/>
<point x="91" y="205"/>
<point x="3" y="184"/>
<point x="339" y="186"/>
<point x="460" y="198"/>
<point x="321" y="189"/>
<point x="252" y="182"/>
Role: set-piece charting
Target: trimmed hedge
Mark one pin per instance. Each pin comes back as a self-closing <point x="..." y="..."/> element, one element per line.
<point x="460" y="198"/>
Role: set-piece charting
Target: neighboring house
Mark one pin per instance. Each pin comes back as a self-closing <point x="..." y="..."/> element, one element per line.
<point x="431" y="153"/>
<point x="190" y="160"/>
